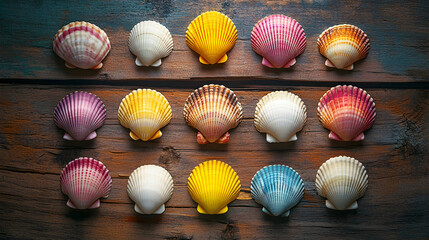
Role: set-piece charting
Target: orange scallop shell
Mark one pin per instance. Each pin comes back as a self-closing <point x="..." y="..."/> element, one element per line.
<point x="343" y="45"/>
<point x="213" y="110"/>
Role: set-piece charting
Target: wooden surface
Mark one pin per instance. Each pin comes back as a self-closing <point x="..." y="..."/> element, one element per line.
<point x="395" y="150"/>
<point x="397" y="31"/>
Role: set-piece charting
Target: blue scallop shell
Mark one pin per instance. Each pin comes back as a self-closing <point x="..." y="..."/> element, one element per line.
<point x="278" y="188"/>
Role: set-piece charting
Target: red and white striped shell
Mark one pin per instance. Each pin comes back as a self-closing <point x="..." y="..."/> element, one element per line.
<point x="82" y="45"/>
<point x="84" y="181"/>
<point x="278" y="39"/>
<point x="347" y="111"/>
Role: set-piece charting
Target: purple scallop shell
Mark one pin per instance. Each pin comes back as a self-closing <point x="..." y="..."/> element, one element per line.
<point x="85" y="180"/>
<point x="80" y="114"/>
<point x="278" y="39"/>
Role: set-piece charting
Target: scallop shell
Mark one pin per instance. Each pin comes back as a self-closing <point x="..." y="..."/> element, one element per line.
<point x="150" y="186"/>
<point x="80" y="114"/>
<point x="347" y="111"/>
<point x="144" y="111"/>
<point x="278" y="188"/>
<point x="343" y="45"/>
<point x="281" y="115"/>
<point x="213" y="184"/>
<point x="150" y="41"/>
<point x="82" y="45"/>
<point x="85" y="180"/>
<point x="213" y="110"/>
<point x="211" y="35"/>
<point x="342" y="180"/>
<point x="278" y="39"/>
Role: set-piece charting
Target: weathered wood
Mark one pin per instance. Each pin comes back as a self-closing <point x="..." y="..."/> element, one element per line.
<point x="33" y="80"/>
<point x="42" y="212"/>
<point x="33" y="154"/>
<point x="398" y="40"/>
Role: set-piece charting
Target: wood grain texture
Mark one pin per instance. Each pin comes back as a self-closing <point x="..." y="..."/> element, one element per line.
<point x="397" y="31"/>
<point x="33" y="80"/>
<point x="33" y="153"/>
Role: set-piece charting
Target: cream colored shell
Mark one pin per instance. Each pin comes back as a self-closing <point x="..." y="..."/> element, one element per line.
<point x="280" y="115"/>
<point x="144" y="111"/>
<point x="342" y="180"/>
<point x="150" y="186"/>
<point x="150" y="41"/>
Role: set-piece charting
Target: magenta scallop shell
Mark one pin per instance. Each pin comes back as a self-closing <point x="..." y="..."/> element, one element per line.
<point x="278" y="39"/>
<point x="84" y="181"/>
<point x="80" y="114"/>
<point x="347" y="111"/>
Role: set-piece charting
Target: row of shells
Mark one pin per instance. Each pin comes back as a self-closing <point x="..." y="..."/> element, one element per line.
<point x="213" y="110"/>
<point x="277" y="38"/>
<point x="214" y="184"/>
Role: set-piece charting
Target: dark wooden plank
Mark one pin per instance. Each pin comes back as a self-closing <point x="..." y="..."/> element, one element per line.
<point x="20" y="133"/>
<point x="394" y="152"/>
<point x="42" y="212"/>
<point x="397" y="32"/>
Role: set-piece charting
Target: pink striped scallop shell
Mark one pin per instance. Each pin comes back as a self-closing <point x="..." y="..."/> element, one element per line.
<point x="278" y="39"/>
<point x="80" y="114"/>
<point x="85" y="180"/>
<point x="82" y="45"/>
<point x="347" y="111"/>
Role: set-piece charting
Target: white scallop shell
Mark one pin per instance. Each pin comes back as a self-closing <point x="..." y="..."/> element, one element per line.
<point x="150" y="41"/>
<point x="150" y="186"/>
<point x="280" y="115"/>
<point x="342" y="180"/>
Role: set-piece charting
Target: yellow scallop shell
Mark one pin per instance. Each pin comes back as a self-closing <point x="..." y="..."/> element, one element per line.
<point x="343" y="45"/>
<point x="213" y="184"/>
<point x="144" y="111"/>
<point x="211" y="35"/>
